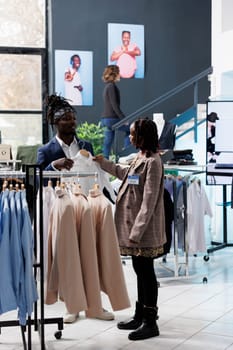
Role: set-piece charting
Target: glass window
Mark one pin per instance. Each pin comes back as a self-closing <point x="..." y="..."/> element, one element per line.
<point x="20" y="129"/>
<point x="22" y="23"/>
<point x="20" y="86"/>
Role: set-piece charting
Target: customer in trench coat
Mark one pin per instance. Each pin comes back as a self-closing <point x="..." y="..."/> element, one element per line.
<point x="140" y="222"/>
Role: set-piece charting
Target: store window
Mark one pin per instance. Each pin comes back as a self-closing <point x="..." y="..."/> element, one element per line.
<point x="22" y="70"/>
<point x="20" y="86"/>
<point x="22" y="23"/>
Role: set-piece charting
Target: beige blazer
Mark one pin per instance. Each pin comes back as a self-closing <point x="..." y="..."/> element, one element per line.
<point x="139" y="213"/>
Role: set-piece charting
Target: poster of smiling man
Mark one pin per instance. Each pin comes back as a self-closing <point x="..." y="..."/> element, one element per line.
<point x="126" y="49"/>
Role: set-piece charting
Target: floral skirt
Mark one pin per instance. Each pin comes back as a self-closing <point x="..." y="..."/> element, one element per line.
<point x="146" y="252"/>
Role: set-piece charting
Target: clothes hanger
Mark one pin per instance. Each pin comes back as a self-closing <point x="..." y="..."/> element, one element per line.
<point x="77" y="189"/>
<point x="84" y="153"/>
<point x="96" y="188"/>
<point x="4" y="186"/>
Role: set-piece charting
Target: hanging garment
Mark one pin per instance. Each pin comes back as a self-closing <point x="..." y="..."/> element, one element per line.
<point x="87" y="165"/>
<point x="21" y="298"/>
<point x="64" y="277"/>
<point x="15" y="245"/>
<point x="8" y="300"/>
<point x="27" y="245"/>
<point x="48" y="195"/>
<point x="178" y="199"/>
<point x="169" y="217"/>
<point x="88" y="255"/>
<point x="111" y="274"/>
<point x="197" y="207"/>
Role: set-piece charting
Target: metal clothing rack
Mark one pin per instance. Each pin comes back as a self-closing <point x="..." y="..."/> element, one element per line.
<point x="33" y="176"/>
<point x="192" y="171"/>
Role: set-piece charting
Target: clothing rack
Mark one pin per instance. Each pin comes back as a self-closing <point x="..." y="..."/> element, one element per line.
<point x="33" y="176"/>
<point x="59" y="174"/>
<point x="189" y="171"/>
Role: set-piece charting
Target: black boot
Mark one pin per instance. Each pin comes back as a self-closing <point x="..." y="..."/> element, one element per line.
<point x="134" y="322"/>
<point x="149" y="327"/>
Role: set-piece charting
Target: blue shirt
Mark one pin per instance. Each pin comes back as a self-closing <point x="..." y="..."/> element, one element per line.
<point x="7" y="296"/>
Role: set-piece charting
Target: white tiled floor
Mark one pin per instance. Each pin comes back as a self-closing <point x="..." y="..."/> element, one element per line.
<point x="192" y="314"/>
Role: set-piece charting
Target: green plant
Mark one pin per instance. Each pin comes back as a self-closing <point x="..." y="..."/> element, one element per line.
<point x="93" y="133"/>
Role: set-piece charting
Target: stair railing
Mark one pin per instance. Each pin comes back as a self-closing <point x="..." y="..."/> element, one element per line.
<point x="192" y="81"/>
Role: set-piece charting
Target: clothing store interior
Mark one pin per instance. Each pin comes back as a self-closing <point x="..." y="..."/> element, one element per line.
<point x="132" y="250"/>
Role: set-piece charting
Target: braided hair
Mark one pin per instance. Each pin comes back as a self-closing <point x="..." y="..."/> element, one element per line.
<point x="110" y="73"/>
<point x="57" y="106"/>
<point x="146" y="136"/>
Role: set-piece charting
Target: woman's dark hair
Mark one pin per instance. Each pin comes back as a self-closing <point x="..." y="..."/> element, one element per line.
<point x="56" y="107"/>
<point x="146" y="136"/>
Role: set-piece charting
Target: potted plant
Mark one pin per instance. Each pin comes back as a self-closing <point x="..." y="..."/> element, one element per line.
<point x="93" y="133"/>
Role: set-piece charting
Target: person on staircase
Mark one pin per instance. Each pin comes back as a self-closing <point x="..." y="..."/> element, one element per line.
<point x="112" y="112"/>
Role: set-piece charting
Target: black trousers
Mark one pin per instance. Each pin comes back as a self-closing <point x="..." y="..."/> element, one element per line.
<point x="146" y="280"/>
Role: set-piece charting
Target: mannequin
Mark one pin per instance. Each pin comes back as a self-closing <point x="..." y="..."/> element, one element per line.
<point x="159" y="121"/>
<point x="166" y="131"/>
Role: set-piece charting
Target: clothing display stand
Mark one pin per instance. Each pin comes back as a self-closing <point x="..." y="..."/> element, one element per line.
<point x="33" y="176"/>
<point x="192" y="171"/>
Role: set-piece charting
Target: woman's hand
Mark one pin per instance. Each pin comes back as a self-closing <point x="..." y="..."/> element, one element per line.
<point x="98" y="158"/>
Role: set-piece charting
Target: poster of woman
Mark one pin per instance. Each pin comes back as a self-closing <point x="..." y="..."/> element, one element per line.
<point x="74" y="76"/>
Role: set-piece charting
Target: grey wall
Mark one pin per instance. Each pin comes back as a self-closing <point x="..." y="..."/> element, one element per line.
<point x="177" y="47"/>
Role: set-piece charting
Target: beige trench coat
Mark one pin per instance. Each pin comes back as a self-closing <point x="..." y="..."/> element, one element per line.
<point x="111" y="274"/>
<point x="139" y="214"/>
<point x="64" y="275"/>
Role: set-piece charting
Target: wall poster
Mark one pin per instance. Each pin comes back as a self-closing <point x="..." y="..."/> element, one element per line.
<point x="74" y="76"/>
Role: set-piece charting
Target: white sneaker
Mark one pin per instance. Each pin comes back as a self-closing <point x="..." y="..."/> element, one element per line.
<point x="106" y="316"/>
<point x="70" y="318"/>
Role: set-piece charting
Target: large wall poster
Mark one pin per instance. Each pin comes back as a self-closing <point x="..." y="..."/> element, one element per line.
<point x="126" y="49"/>
<point x="74" y="76"/>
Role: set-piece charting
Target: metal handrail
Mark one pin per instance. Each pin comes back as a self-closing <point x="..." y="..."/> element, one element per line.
<point x="164" y="97"/>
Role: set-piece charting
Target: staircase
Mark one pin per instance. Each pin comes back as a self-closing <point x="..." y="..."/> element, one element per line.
<point x="190" y="120"/>
<point x="185" y="138"/>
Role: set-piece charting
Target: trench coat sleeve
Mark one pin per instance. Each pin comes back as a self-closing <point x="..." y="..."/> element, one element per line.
<point x="151" y="193"/>
<point x="114" y="169"/>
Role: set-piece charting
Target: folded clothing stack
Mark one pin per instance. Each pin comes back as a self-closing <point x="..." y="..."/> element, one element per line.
<point x="182" y="157"/>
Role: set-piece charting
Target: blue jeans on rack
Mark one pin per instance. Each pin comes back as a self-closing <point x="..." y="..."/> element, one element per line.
<point x="109" y="134"/>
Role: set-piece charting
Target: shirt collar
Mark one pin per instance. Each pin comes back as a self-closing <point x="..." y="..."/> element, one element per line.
<point x="63" y="144"/>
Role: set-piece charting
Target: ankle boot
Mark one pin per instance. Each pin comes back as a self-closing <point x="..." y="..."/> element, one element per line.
<point x="135" y="321"/>
<point x="149" y="327"/>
